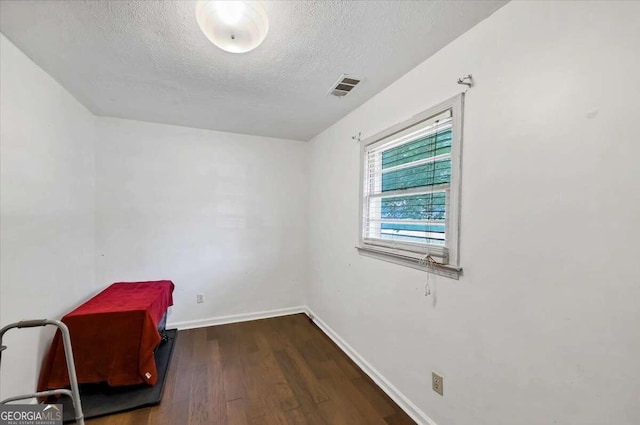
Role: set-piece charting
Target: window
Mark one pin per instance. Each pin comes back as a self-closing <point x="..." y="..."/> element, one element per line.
<point x="410" y="187"/>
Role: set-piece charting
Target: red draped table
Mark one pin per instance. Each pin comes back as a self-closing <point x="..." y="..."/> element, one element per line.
<point x="113" y="336"/>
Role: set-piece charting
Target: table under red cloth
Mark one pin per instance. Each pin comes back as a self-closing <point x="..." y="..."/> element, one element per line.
<point x="113" y="336"/>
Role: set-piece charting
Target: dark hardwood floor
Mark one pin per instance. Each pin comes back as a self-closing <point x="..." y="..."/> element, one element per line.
<point x="273" y="371"/>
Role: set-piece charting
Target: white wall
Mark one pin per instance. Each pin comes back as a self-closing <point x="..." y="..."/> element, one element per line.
<point x="46" y="209"/>
<point x="218" y="213"/>
<point x="544" y="326"/>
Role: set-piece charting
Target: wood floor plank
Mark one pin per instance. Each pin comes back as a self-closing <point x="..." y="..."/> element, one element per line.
<point x="183" y="363"/>
<point x="274" y="388"/>
<point x="236" y="412"/>
<point x="207" y="398"/>
<point x="251" y="329"/>
<point x="367" y="410"/>
<point x="340" y="412"/>
<point x="251" y="382"/>
<point x="347" y="366"/>
<point x="307" y="376"/>
<point x="374" y="395"/>
<point x="200" y="351"/>
<point x="276" y="385"/>
<point x="229" y="341"/>
<point x="308" y="406"/>
<point x="291" y="330"/>
<point x="399" y="418"/>
<point x="180" y="412"/>
<point x="198" y="400"/>
<point x="280" y="371"/>
<point x="258" y="420"/>
<point x="137" y="417"/>
<point x="216" y="388"/>
<point x="296" y="417"/>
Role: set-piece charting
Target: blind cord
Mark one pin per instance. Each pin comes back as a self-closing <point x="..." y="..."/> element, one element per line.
<point x="428" y="260"/>
<point x="433" y="168"/>
<point x="432" y="264"/>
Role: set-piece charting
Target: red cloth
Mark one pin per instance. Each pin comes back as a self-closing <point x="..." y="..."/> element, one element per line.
<point x="113" y="336"/>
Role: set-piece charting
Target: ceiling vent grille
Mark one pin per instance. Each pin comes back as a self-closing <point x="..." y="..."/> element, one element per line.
<point x="344" y="85"/>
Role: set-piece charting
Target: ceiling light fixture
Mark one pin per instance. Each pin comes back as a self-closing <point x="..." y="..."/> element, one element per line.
<point x="233" y="26"/>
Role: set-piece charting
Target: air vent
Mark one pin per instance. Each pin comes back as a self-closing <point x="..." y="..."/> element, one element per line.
<point x="344" y="85"/>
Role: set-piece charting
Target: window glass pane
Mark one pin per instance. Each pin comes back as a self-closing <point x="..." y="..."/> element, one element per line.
<point x="435" y="144"/>
<point x="428" y="174"/>
<point x="432" y="228"/>
<point x="416" y="233"/>
<point x="428" y="206"/>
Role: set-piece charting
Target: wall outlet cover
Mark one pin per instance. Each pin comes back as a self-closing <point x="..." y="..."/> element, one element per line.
<point x="437" y="383"/>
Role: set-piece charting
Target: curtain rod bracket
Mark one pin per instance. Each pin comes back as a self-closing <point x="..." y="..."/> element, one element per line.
<point x="467" y="81"/>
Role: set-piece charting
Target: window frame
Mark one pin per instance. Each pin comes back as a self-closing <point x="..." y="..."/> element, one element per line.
<point x="411" y="254"/>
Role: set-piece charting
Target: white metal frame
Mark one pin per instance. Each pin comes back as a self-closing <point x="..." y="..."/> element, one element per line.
<point x="412" y="252"/>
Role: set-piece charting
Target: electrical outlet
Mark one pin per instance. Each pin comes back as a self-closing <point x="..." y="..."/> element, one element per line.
<point x="199" y="298"/>
<point x="437" y="383"/>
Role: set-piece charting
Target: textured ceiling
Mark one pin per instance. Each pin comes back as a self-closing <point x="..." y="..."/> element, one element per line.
<point x="149" y="61"/>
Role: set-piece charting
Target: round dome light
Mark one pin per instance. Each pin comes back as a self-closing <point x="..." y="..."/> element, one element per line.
<point x="233" y="26"/>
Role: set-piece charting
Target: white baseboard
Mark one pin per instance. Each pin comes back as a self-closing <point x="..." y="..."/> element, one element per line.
<point x="401" y="400"/>
<point x="235" y="318"/>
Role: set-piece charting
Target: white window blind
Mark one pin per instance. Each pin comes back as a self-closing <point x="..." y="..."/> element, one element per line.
<point x="408" y="186"/>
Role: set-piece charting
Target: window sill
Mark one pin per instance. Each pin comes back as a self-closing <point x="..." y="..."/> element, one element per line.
<point x="447" y="270"/>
